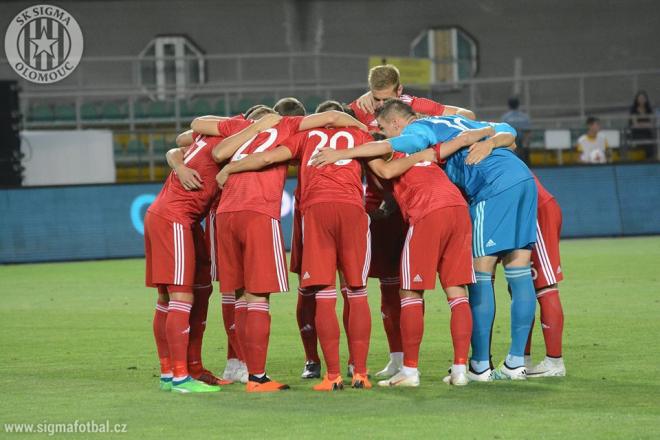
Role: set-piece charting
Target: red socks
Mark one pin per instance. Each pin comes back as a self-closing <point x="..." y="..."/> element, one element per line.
<point x="160" y="334"/>
<point x="305" y="313"/>
<point x="327" y="328"/>
<point x="240" y="315"/>
<point x="178" y="330"/>
<point x="346" y="312"/>
<point x="198" y="315"/>
<point x="257" y="333"/>
<point x="552" y="320"/>
<point x="390" y="309"/>
<point x="461" y="328"/>
<point x="228" y="320"/>
<point x="359" y="327"/>
<point x="412" y="329"/>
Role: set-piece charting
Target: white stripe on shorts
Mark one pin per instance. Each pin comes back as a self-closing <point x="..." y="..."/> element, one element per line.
<point x="279" y="256"/>
<point x="542" y="252"/>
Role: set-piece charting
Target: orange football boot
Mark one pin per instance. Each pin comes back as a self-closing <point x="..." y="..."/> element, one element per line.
<point x="265" y="387"/>
<point x="361" y="381"/>
<point x="335" y="384"/>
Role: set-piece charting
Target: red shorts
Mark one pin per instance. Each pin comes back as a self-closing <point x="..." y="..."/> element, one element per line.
<point x="335" y="236"/>
<point x="440" y="242"/>
<point x="210" y="240"/>
<point x="387" y="237"/>
<point x="546" y="264"/>
<point x="250" y="253"/>
<point x="296" y="242"/>
<point x="169" y="249"/>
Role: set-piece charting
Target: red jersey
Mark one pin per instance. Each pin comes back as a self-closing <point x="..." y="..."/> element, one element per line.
<point x="187" y="207"/>
<point x="544" y="195"/>
<point x="374" y="196"/>
<point x="259" y="191"/>
<point x="339" y="182"/>
<point x="423" y="189"/>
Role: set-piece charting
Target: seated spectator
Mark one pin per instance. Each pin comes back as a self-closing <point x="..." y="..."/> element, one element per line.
<point x="642" y="131"/>
<point x="521" y="122"/>
<point x="592" y="145"/>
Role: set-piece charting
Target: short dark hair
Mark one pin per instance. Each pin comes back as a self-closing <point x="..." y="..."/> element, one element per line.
<point x="592" y="120"/>
<point x="329" y="105"/>
<point x="394" y="106"/>
<point x="261" y="112"/>
<point x="348" y="110"/>
<point x="251" y="110"/>
<point x="513" y="103"/>
<point x="290" y="106"/>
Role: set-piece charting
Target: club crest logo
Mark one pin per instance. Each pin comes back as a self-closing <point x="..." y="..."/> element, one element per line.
<point x="44" y="44"/>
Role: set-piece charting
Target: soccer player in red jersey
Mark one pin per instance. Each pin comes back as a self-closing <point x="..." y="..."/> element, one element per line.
<point x="387" y="227"/>
<point x="250" y="248"/>
<point x="175" y="258"/>
<point x="439" y="240"/>
<point x="336" y="236"/>
<point x="546" y="272"/>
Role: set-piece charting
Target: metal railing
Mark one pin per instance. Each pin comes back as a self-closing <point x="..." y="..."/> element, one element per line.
<point x="232" y="77"/>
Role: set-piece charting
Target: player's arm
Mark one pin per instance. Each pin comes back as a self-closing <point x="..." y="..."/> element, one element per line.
<point x="480" y="150"/>
<point x="184" y="139"/>
<point x="253" y="162"/>
<point x="453" y="110"/>
<point x="327" y="156"/>
<point x="331" y="118"/>
<point x="207" y="125"/>
<point x="366" y="103"/>
<point x="394" y="168"/>
<point x="464" y="139"/>
<point x="226" y="149"/>
<point x="189" y="178"/>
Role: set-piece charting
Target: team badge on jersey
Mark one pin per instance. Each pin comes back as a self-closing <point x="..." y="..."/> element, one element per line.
<point x="43" y="44"/>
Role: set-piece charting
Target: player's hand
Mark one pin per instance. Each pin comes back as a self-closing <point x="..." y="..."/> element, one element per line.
<point x="366" y="103"/>
<point x="221" y="178"/>
<point x="428" y="155"/>
<point x="268" y="121"/>
<point x="325" y="156"/>
<point x="478" y="152"/>
<point x="189" y="178"/>
<point x="469" y="137"/>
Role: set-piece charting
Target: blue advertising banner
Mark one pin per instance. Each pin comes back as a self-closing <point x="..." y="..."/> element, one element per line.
<point x="106" y="221"/>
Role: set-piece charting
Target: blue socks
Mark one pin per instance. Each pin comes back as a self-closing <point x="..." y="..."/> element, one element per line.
<point x="523" y="307"/>
<point x="482" y="303"/>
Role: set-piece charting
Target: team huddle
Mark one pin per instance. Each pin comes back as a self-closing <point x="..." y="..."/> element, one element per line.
<point x="445" y="197"/>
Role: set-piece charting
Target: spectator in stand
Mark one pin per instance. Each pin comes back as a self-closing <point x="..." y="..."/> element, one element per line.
<point x="521" y="122"/>
<point x="642" y="131"/>
<point x="592" y="145"/>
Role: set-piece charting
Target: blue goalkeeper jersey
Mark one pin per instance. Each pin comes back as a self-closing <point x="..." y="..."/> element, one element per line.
<point x="497" y="172"/>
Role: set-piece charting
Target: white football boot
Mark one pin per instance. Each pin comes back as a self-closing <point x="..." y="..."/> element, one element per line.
<point x="548" y="367"/>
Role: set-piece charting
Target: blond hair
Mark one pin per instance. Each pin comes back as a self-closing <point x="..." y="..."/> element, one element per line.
<point x="384" y="77"/>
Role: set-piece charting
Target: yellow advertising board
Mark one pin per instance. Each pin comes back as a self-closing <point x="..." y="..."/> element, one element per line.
<point x="414" y="71"/>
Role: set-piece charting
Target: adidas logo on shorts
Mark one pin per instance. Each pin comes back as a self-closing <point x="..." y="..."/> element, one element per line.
<point x="306" y="276"/>
<point x="417" y="279"/>
<point x="490" y="243"/>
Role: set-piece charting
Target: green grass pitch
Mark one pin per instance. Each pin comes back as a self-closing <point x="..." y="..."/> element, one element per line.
<point x="76" y="344"/>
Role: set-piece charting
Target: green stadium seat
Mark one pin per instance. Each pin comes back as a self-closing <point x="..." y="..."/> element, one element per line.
<point x="201" y="107"/>
<point x="65" y="112"/>
<point x="160" y="145"/>
<point x="159" y="109"/>
<point x="312" y="102"/>
<point x="113" y="110"/>
<point x="268" y="101"/>
<point x="220" y="108"/>
<point x="118" y="148"/>
<point x="89" y="111"/>
<point x="135" y="146"/>
<point x="242" y="105"/>
<point x="41" y="112"/>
